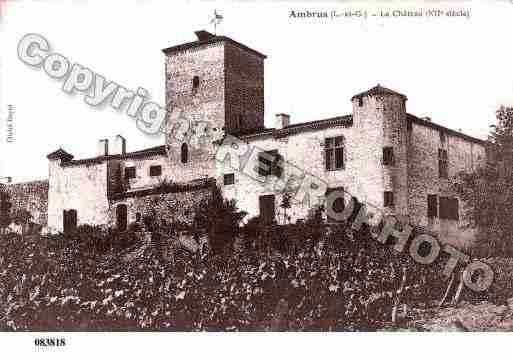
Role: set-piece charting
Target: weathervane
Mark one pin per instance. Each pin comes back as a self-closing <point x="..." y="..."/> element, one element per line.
<point x="216" y="20"/>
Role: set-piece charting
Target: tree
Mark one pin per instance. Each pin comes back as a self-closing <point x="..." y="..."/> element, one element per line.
<point x="286" y="203"/>
<point x="489" y="190"/>
<point x="5" y="210"/>
<point x="220" y="219"/>
<point x="21" y="216"/>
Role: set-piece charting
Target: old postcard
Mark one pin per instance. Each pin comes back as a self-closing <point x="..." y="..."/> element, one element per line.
<point x="254" y="167"/>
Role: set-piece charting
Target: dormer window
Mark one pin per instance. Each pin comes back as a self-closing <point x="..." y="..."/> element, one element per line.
<point x="360" y="101"/>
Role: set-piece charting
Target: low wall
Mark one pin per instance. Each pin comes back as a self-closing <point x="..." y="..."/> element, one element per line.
<point x="31" y="196"/>
<point x="177" y="205"/>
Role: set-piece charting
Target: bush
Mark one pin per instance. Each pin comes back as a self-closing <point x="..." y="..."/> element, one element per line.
<point x="220" y="219"/>
<point x="345" y="283"/>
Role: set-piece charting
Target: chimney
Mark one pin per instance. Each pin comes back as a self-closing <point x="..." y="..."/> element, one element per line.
<point x="103" y="147"/>
<point x="282" y="120"/>
<point x="119" y="145"/>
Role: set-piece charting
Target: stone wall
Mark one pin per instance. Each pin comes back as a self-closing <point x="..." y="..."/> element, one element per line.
<point x="176" y="206"/>
<point x="376" y="123"/>
<point x="305" y="151"/>
<point x="30" y="196"/>
<point x="142" y="171"/>
<point x="206" y="103"/>
<point x="244" y="76"/>
<point x="82" y="187"/>
<point x="463" y="155"/>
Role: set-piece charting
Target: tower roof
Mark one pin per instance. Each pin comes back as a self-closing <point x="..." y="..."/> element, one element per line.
<point x="206" y="38"/>
<point x="60" y="154"/>
<point x="378" y="90"/>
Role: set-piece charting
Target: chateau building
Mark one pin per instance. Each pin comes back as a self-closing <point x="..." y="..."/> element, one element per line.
<point x="379" y="154"/>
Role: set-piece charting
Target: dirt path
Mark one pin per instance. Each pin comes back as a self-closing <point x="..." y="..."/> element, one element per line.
<point x="483" y="316"/>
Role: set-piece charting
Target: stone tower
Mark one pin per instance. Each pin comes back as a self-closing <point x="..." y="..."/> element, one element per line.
<point x="380" y="116"/>
<point x="217" y="86"/>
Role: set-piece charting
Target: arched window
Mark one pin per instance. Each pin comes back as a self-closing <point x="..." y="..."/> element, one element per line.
<point x="185" y="153"/>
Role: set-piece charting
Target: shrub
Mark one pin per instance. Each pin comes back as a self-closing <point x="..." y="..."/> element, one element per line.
<point x="50" y="284"/>
<point x="220" y="219"/>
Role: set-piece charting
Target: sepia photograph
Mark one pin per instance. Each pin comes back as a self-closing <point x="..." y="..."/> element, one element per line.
<point x="174" y="169"/>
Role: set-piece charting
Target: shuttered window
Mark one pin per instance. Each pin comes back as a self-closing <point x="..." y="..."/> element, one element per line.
<point x="449" y="208"/>
<point x="229" y="179"/>
<point x="432" y="206"/>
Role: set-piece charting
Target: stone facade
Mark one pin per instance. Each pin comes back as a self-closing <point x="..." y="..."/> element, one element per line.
<point x="96" y="187"/>
<point x="30" y="196"/>
<point x="379" y="122"/>
<point x="173" y="206"/>
<point x="382" y="155"/>
<point x="77" y="186"/>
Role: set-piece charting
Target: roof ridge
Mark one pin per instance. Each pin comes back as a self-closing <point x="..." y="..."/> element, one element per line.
<point x="378" y="90"/>
<point x="211" y="40"/>
<point x="431" y="124"/>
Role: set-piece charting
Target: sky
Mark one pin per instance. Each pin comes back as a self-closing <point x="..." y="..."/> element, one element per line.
<point x="455" y="70"/>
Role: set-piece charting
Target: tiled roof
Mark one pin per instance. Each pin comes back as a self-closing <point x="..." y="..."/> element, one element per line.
<point x="345" y="121"/>
<point x="168" y="188"/>
<point x="158" y="150"/>
<point x="210" y="40"/>
<point x="378" y="90"/>
<point x="422" y="122"/>
<point x="60" y="154"/>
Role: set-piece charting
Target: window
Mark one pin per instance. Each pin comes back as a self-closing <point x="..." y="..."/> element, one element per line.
<point x="184" y="156"/>
<point x="129" y="172"/>
<point x="69" y="220"/>
<point x="269" y="163"/>
<point x="360" y="101"/>
<point x="388" y="156"/>
<point x="155" y="170"/>
<point x="442" y="138"/>
<point x="432" y="206"/>
<point x="389" y="199"/>
<point x="334" y="153"/>
<point x="195" y="84"/>
<point x="442" y="164"/>
<point x="449" y="208"/>
<point x="229" y="179"/>
<point x="336" y="204"/>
